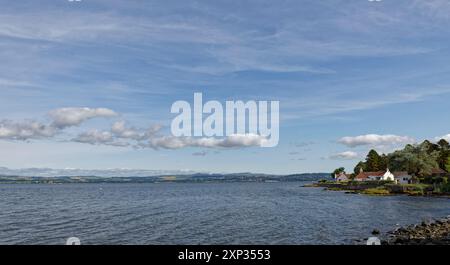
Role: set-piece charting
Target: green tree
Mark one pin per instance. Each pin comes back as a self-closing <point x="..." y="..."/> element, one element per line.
<point x="429" y="147"/>
<point x="447" y="165"/>
<point x="373" y="161"/>
<point x="337" y="171"/>
<point x="418" y="160"/>
<point x="414" y="159"/>
<point x="384" y="162"/>
<point x="360" y="166"/>
<point x="443" y="144"/>
<point x="444" y="153"/>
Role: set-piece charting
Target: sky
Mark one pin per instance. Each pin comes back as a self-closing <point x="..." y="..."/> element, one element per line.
<point x="90" y="84"/>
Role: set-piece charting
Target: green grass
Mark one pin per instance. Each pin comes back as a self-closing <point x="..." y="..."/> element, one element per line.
<point x="415" y="193"/>
<point x="416" y="186"/>
<point x="380" y="191"/>
<point x="335" y="189"/>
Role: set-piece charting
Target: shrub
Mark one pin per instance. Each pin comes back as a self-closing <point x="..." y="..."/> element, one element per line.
<point x="416" y="193"/>
<point x="445" y="187"/>
<point x="376" y="191"/>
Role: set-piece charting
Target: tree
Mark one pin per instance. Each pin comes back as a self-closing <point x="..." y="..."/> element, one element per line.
<point x="384" y="162"/>
<point x="414" y="159"/>
<point x="442" y="159"/>
<point x="352" y="177"/>
<point x="360" y="166"/>
<point x="444" y="153"/>
<point x="429" y="147"/>
<point x="447" y="165"/>
<point x="337" y="171"/>
<point x="418" y="160"/>
<point x="443" y="144"/>
<point x="373" y="161"/>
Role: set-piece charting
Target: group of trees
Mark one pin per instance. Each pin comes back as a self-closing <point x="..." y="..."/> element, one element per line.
<point x="337" y="171"/>
<point x="374" y="162"/>
<point x="447" y="165"/>
<point x="418" y="160"/>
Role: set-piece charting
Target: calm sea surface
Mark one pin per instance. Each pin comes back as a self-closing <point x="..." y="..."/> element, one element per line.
<point x="188" y="213"/>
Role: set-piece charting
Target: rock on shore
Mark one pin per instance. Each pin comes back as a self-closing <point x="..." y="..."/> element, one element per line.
<point x="435" y="232"/>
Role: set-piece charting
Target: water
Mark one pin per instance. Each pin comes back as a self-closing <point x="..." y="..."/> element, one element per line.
<point x="189" y="213"/>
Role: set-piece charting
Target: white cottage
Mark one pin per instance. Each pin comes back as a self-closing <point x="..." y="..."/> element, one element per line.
<point x="388" y="176"/>
<point x="375" y="176"/>
<point x="341" y="177"/>
<point x="402" y="177"/>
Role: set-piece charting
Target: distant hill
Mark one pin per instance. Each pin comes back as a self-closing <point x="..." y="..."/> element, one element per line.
<point x="194" y="178"/>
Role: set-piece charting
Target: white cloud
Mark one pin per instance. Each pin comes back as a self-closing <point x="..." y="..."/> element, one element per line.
<point x="344" y="155"/>
<point x="121" y="135"/>
<point x="25" y="130"/>
<point x="94" y="137"/>
<point x="120" y="130"/>
<point x="60" y="119"/>
<point x="66" y="117"/>
<point x="375" y="140"/>
<point x="445" y="137"/>
<point x="232" y="141"/>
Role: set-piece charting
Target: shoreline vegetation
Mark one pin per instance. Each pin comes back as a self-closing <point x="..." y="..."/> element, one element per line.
<point x="381" y="188"/>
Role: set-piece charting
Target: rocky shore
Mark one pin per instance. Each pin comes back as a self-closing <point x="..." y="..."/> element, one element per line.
<point x="435" y="232"/>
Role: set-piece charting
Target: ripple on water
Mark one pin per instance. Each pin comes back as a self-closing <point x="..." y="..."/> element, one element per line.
<point x="213" y="213"/>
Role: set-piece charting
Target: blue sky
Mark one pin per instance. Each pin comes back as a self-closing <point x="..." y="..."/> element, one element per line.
<point x="350" y="75"/>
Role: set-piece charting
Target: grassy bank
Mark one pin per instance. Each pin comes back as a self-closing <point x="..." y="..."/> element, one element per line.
<point x="384" y="188"/>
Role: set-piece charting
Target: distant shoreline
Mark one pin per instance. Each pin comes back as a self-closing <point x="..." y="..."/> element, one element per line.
<point x="194" y="178"/>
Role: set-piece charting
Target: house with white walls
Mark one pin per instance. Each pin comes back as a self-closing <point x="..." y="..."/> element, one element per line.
<point x="341" y="177"/>
<point x="388" y="176"/>
<point x="375" y="176"/>
<point x="402" y="177"/>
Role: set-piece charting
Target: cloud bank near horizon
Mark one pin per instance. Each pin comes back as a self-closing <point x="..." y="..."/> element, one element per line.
<point x="119" y="135"/>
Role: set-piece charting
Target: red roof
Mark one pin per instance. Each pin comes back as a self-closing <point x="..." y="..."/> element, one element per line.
<point x="365" y="175"/>
<point x="438" y="171"/>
